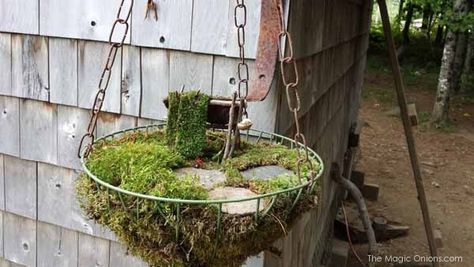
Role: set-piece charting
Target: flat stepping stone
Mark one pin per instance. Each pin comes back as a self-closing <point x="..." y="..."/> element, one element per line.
<point x="240" y="208"/>
<point x="265" y="172"/>
<point x="208" y="178"/>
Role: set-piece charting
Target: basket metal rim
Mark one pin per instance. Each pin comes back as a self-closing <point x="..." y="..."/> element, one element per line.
<point x="159" y="125"/>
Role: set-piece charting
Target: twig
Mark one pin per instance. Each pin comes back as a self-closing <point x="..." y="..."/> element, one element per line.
<point x="230" y="128"/>
<point x="236" y="142"/>
<point x="281" y="224"/>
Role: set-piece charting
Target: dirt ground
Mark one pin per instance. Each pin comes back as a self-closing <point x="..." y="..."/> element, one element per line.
<point x="447" y="162"/>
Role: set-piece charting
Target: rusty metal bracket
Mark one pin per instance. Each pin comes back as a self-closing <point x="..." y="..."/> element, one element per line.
<point x="267" y="52"/>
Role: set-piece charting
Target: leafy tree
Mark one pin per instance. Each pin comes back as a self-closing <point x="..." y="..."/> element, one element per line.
<point x="459" y="20"/>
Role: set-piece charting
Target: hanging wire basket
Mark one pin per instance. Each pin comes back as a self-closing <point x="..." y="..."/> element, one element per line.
<point x="132" y="202"/>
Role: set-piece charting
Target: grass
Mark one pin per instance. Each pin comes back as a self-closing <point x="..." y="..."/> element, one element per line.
<point x="419" y="72"/>
<point x="379" y="84"/>
<point x="143" y="162"/>
<point x="419" y="66"/>
<point x="425" y="124"/>
<point x="378" y="93"/>
<point x="379" y="87"/>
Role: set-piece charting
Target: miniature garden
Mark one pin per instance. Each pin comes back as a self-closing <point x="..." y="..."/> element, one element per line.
<point x="170" y="195"/>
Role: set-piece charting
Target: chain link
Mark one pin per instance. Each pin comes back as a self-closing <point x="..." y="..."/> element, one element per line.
<point x="291" y="81"/>
<point x="121" y="21"/>
<point x="240" y="21"/>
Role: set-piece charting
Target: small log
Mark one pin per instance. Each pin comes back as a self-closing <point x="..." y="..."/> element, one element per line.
<point x="223" y="103"/>
<point x="384" y="230"/>
<point x="379" y="224"/>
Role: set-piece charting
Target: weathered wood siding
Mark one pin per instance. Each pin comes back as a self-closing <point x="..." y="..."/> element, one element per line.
<point x="331" y="45"/>
<point x="51" y="54"/>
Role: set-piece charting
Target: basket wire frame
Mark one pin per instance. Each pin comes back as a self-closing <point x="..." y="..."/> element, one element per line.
<point x="251" y="136"/>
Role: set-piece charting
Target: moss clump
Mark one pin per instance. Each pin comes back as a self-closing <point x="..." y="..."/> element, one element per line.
<point x="280" y="182"/>
<point x="187" y="117"/>
<point x="172" y="122"/>
<point x="142" y="162"/>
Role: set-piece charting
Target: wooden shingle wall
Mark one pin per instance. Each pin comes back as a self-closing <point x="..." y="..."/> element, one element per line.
<point x="51" y="53"/>
<point x="331" y="45"/>
<point x="204" y="26"/>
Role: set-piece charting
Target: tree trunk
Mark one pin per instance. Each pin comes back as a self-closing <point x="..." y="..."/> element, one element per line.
<point x="426" y="17"/>
<point x="446" y="76"/>
<point x="439" y="35"/>
<point x="406" y="31"/>
<point x="441" y="106"/>
<point x="468" y="66"/>
<point x="459" y="59"/>
<point x="461" y="47"/>
<point x="430" y="27"/>
<point x="468" y="72"/>
<point x="400" y="14"/>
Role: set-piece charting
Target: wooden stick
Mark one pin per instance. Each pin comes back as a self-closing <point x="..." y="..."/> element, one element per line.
<point x="230" y="128"/>
<point x="402" y="102"/>
<point x="224" y="103"/>
<point x="236" y="142"/>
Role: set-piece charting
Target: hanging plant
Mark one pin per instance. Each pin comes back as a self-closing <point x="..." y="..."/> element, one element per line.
<point x="137" y="182"/>
<point x="132" y="185"/>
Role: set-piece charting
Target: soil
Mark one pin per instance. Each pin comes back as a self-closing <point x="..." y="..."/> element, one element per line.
<point x="447" y="163"/>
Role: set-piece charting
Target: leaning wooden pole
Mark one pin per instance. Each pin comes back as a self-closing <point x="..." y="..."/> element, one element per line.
<point x="402" y="102"/>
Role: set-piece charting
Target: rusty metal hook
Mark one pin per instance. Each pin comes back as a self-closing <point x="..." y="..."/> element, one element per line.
<point x="151" y="7"/>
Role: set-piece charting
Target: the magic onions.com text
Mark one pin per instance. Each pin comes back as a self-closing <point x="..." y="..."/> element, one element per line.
<point x="414" y="258"/>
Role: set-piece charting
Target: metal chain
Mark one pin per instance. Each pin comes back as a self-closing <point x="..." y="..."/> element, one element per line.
<point x="122" y="20"/>
<point x="291" y="81"/>
<point x="240" y="21"/>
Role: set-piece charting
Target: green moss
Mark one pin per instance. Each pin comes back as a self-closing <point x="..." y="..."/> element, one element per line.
<point x="264" y="154"/>
<point x="183" y="187"/>
<point x="280" y="182"/>
<point x="187" y="119"/>
<point x="172" y="122"/>
<point x="142" y="162"/>
<point x="151" y="236"/>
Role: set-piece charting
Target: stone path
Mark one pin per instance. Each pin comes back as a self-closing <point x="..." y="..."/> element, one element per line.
<point x="211" y="178"/>
<point x="208" y="178"/>
<point x="265" y="172"/>
<point x="245" y="207"/>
